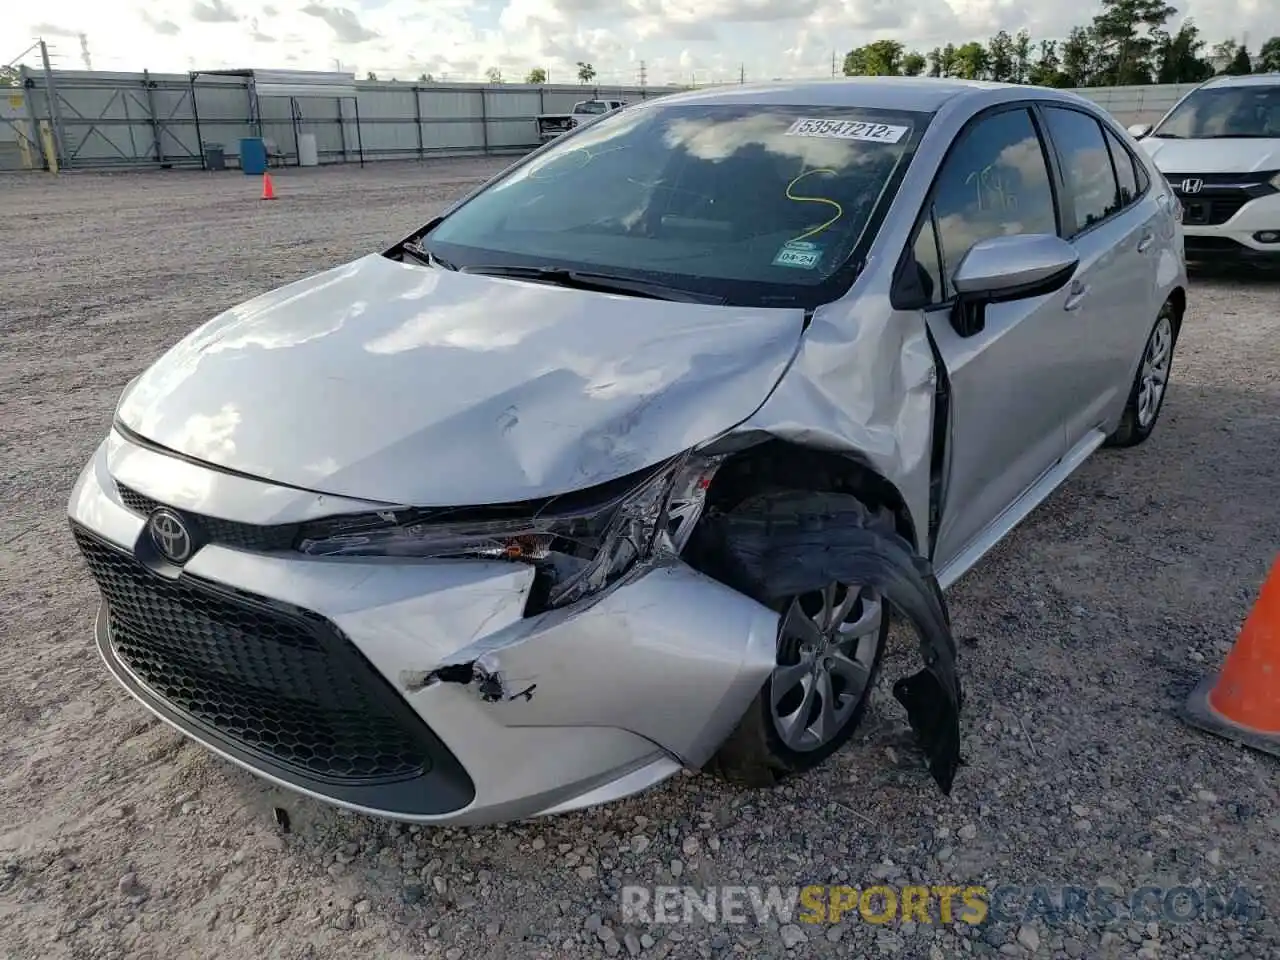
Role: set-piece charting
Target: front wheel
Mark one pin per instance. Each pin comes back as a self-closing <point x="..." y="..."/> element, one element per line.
<point x="1146" y="395"/>
<point x="831" y="640"/>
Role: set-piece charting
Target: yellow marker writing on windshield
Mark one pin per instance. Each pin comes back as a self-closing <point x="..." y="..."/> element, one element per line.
<point x="831" y="203"/>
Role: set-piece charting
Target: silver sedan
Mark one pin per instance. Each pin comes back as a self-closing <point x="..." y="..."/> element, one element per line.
<point x="626" y="462"/>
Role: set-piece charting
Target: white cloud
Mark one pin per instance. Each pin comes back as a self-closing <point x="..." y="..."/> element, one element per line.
<point x="458" y="39"/>
<point x="213" y="11"/>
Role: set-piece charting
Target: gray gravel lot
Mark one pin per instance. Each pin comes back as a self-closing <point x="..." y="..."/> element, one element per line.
<point x="1080" y="637"/>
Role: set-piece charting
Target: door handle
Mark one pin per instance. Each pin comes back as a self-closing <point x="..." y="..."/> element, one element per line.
<point x="1145" y="243"/>
<point x="1078" y="292"/>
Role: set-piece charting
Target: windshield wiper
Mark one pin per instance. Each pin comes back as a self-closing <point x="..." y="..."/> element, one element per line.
<point x="1243" y="136"/>
<point x="600" y="282"/>
<point x="422" y="254"/>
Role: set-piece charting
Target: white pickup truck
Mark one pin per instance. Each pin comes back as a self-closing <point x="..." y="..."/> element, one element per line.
<point x="551" y="125"/>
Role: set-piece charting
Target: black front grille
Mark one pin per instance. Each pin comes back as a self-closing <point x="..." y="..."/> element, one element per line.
<point x="1218" y="196"/>
<point x="1194" y="244"/>
<point x="227" y="533"/>
<point x="283" y="684"/>
<point x="1210" y="211"/>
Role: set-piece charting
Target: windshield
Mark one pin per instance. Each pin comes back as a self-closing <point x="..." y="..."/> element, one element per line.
<point x="1223" y="112"/>
<point x="591" y="106"/>
<point x="758" y="205"/>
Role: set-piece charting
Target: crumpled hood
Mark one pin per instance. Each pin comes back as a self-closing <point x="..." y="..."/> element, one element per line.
<point x="411" y="385"/>
<point x="1213" y="156"/>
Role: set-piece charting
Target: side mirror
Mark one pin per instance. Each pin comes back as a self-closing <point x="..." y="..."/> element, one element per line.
<point x="1000" y="269"/>
<point x="1139" y="130"/>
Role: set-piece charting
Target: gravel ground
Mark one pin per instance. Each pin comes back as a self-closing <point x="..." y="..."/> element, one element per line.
<point x="1080" y="637"/>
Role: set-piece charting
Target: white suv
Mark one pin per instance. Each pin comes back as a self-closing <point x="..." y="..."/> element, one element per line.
<point x="1219" y="148"/>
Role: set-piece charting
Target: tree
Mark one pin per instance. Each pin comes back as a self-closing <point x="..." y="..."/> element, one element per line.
<point x="10" y="77"/>
<point x="1268" y="58"/>
<point x="1123" y="36"/>
<point x="1000" y="57"/>
<point x="1047" y="70"/>
<point x="949" y="61"/>
<point x="1079" y="57"/>
<point x="371" y="75"/>
<point x="1022" y="57"/>
<point x="913" y="64"/>
<point x="537" y="75"/>
<point x="426" y="78"/>
<point x="493" y="75"/>
<point x="1178" y="58"/>
<point x="934" y="60"/>
<point x="1240" y="63"/>
<point x="586" y="72"/>
<point x="880" y="59"/>
<point x="971" y="62"/>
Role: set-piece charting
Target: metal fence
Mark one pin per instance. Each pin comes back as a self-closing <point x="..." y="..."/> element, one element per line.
<point x="1146" y="103"/>
<point x="99" y="120"/>
<point x="105" y="120"/>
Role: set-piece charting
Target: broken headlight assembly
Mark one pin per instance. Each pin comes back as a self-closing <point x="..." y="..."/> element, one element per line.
<point x="579" y="543"/>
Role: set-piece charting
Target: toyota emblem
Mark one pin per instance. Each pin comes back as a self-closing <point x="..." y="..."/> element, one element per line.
<point x="1192" y="185"/>
<point x="170" y="535"/>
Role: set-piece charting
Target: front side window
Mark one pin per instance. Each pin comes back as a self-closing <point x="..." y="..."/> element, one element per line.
<point x="1247" y="111"/>
<point x="995" y="182"/>
<point x="758" y="204"/>
<point x="1086" y="165"/>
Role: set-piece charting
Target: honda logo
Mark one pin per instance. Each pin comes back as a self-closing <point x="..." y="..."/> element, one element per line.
<point x="1192" y="185"/>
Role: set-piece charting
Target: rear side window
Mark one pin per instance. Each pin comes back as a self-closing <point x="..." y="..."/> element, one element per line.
<point x="1126" y="176"/>
<point x="1086" y="165"/>
<point x="994" y="182"/>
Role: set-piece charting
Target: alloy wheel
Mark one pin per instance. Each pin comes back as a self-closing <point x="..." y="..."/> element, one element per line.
<point x="1154" y="374"/>
<point x="827" y="647"/>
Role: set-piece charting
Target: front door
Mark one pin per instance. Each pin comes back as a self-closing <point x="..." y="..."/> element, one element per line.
<point x="1010" y="392"/>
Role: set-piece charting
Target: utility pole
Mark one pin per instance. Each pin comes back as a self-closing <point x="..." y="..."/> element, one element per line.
<point x="742" y="73"/>
<point x="644" y="76"/>
<point x="55" y="108"/>
<point x="833" y="63"/>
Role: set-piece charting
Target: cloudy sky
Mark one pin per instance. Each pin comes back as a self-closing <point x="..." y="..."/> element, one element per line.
<point x="678" y="40"/>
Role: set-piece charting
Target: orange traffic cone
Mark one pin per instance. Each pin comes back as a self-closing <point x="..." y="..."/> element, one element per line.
<point x="268" y="191"/>
<point x="1242" y="703"/>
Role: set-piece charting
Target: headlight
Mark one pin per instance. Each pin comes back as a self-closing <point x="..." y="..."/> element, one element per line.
<point x="1275" y="181"/>
<point x="580" y="547"/>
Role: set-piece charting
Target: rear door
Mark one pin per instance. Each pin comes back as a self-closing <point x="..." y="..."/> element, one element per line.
<point x="1009" y="390"/>
<point x="1112" y="294"/>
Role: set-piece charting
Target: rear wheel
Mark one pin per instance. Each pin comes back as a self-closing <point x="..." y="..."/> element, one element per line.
<point x="1146" y="395"/>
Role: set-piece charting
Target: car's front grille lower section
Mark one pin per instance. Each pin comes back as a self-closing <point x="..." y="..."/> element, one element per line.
<point x="281" y="683"/>
<point x="1210" y="212"/>
<point x="1217" y="197"/>
<point x="228" y="533"/>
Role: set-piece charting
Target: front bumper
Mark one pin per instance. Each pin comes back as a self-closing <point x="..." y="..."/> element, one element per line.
<point x="1215" y="248"/>
<point x="313" y="672"/>
<point x="1237" y="237"/>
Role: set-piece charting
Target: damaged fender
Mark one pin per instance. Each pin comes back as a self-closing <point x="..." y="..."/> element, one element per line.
<point x="776" y="546"/>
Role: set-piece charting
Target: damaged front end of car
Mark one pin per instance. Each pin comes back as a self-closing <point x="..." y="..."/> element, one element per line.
<point x="608" y="559"/>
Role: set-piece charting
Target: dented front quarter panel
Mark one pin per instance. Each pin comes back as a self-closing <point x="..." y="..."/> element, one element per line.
<point x="862" y="385"/>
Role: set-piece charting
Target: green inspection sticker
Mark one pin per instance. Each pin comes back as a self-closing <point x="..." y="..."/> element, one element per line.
<point x="798" y="253"/>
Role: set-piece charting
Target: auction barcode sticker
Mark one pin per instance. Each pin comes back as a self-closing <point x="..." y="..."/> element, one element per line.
<point x="847" y="130"/>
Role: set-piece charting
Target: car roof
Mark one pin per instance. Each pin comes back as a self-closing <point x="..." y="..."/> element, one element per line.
<point x="925" y="94"/>
<point x="1247" y="80"/>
